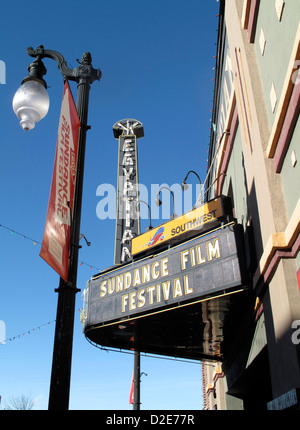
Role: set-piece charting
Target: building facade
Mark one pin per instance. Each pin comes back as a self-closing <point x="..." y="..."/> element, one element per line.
<point x="254" y="158"/>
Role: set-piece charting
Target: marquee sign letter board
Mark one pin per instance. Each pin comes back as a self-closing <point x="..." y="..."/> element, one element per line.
<point x="206" y="266"/>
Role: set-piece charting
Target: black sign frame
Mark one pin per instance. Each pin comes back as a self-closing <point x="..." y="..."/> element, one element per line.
<point x="221" y="275"/>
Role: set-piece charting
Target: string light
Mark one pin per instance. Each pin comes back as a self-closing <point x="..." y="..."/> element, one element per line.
<point x="35" y="242"/>
<point x="26" y="332"/>
<point x="185" y="360"/>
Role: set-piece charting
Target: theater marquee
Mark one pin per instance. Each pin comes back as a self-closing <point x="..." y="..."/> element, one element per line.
<point x="207" y="266"/>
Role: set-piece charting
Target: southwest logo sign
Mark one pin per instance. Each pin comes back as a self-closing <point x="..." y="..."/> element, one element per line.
<point x="159" y="236"/>
<point x="187" y="225"/>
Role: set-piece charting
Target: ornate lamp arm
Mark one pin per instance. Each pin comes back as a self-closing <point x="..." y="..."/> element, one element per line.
<point x="84" y="72"/>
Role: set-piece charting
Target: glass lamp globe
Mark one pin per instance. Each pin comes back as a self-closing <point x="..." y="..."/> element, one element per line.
<point x="31" y="103"/>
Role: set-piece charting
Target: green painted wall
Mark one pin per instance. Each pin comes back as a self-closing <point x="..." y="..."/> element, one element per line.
<point x="280" y="37"/>
<point x="236" y="180"/>
<point x="290" y="176"/>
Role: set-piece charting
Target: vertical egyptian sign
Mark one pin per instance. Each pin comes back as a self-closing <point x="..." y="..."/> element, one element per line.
<point x="127" y="219"/>
<point x="56" y="239"/>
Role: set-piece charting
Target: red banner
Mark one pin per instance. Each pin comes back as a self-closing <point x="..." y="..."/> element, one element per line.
<point x="131" y="390"/>
<point x="56" y="240"/>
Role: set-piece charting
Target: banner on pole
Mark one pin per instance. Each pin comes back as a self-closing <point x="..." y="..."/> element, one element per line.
<point x="131" y="390"/>
<point x="56" y="239"/>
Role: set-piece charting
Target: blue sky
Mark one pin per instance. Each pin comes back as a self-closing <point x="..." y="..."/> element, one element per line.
<point x="157" y="60"/>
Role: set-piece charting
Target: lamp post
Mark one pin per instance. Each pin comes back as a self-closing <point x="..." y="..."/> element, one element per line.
<point x="185" y="186"/>
<point x="31" y="104"/>
<point x="149" y="211"/>
<point x="159" y="202"/>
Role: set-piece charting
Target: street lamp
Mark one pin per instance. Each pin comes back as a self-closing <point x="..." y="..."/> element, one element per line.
<point x="159" y="202"/>
<point x="31" y="103"/>
<point x="149" y="211"/>
<point x="185" y="186"/>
